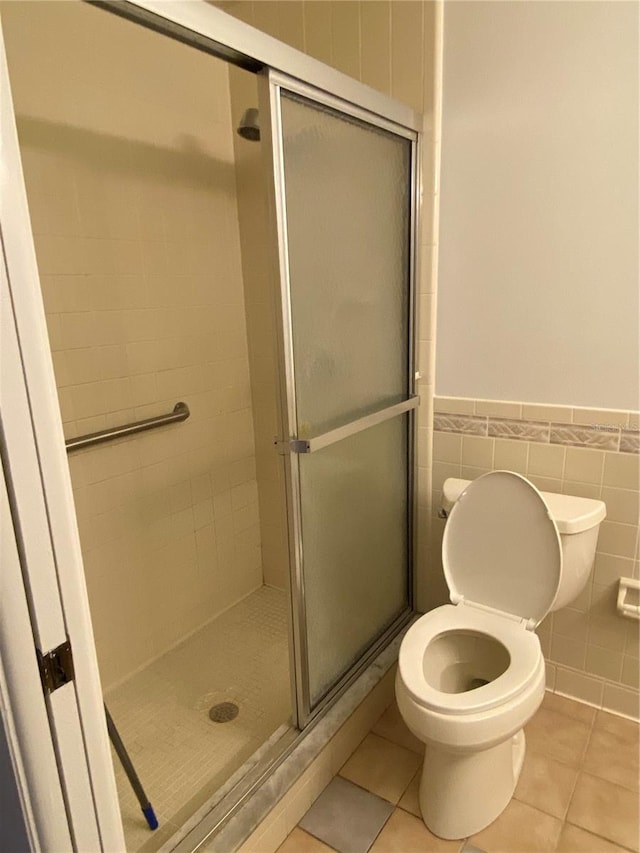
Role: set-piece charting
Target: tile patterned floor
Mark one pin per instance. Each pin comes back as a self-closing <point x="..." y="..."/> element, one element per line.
<point x="578" y="792"/>
<point x="162" y="712"/>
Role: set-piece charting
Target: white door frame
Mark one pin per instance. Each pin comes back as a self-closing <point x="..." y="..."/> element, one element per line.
<point x="22" y="707"/>
<point x="39" y="509"/>
<point x="59" y="743"/>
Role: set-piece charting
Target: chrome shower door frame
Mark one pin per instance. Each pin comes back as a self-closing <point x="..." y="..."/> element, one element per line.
<point x="290" y="446"/>
<point x="209" y="29"/>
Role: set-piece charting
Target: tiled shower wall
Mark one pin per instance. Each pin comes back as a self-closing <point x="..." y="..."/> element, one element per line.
<point x="127" y="149"/>
<point x="392" y="47"/>
<point x="591" y="650"/>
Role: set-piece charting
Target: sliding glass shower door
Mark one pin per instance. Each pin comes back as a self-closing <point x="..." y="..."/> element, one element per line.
<point x="344" y="205"/>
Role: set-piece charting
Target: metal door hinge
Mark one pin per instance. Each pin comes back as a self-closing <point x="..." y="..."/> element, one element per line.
<point x="56" y="667"/>
<point x="294" y="445"/>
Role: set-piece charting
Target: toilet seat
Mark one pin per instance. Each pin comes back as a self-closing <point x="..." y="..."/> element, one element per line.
<point x="501" y="548"/>
<point x="523" y="647"/>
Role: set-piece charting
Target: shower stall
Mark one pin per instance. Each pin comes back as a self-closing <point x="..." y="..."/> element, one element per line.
<point x="231" y="320"/>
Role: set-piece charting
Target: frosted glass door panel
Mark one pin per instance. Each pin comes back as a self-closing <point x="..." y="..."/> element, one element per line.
<point x="355" y="529"/>
<point x="347" y="187"/>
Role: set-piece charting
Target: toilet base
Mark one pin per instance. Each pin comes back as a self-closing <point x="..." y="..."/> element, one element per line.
<point x="462" y="793"/>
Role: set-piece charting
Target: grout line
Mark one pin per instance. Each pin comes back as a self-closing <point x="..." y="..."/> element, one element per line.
<point x="597" y="835"/>
<point x="580" y="770"/>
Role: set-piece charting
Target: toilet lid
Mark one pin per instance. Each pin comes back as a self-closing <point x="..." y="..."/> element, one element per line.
<point x="501" y="547"/>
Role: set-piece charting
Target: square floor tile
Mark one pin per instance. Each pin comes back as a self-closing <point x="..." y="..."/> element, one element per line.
<point x="519" y="828"/>
<point x="409" y="801"/>
<point x="576" y="840"/>
<point x="404" y="833"/>
<point x="605" y="809"/>
<point x="569" y="707"/>
<point x="392" y="727"/>
<point x="628" y="730"/>
<point x="382" y="767"/>
<point x="546" y="784"/>
<point x="301" y="842"/>
<point x="346" y="817"/>
<point x="612" y="758"/>
<point x="560" y="737"/>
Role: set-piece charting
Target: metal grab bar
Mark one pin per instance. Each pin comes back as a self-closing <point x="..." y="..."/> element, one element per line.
<point x="180" y="413"/>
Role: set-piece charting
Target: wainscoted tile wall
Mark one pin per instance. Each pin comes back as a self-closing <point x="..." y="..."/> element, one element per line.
<point x="130" y="176"/>
<point x="591" y="651"/>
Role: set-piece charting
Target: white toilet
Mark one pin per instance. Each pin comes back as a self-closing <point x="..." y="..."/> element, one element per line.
<point x="471" y="673"/>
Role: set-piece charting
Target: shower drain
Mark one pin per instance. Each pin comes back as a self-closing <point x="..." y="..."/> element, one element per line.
<point x="223" y="712"/>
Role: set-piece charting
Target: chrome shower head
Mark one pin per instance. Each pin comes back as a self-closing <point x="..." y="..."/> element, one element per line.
<point x="249" y="127"/>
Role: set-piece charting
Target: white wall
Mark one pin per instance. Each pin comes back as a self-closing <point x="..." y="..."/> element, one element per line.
<point x="538" y="280"/>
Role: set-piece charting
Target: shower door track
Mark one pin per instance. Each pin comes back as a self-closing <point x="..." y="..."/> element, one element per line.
<point x="213" y="31"/>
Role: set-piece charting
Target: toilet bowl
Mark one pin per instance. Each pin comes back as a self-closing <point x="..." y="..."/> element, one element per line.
<point x="471" y="673"/>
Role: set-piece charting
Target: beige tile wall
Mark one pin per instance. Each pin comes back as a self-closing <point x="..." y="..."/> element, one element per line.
<point x="592" y="651"/>
<point x="128" y="156"/>
<point x="392" y="47"/>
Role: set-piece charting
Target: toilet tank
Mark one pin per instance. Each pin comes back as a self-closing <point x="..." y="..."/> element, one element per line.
<point x="578" y="522"/>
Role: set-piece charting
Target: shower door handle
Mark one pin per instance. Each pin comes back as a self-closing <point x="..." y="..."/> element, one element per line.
<point x="310" y="445"/>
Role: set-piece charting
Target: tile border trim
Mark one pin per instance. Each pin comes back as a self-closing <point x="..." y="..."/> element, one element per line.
<point x="616" y="437"/>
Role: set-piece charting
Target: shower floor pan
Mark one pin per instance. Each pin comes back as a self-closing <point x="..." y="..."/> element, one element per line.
<point x="181" y="755"/>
